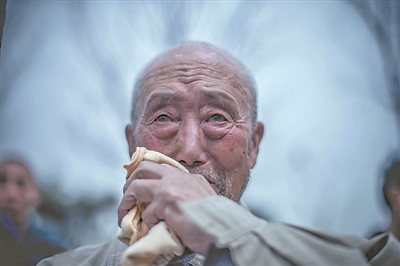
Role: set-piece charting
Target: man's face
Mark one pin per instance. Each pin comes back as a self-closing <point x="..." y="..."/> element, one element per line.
<point x="193" y="108"/>
<point x="18" y="193"/>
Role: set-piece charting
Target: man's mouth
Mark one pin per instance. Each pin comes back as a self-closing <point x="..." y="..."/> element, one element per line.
<point x="214" y="186"/>
<point x="214" y="177"/>
<point x="210" y="182"/>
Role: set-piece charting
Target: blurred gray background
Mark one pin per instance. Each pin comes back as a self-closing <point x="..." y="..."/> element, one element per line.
<point x="328" y="80"/>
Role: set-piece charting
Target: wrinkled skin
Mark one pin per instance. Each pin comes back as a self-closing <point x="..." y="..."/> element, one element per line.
<point x="194" y="107"/>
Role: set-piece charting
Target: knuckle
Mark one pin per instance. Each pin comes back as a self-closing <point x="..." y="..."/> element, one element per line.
<point x="170" y="194"/>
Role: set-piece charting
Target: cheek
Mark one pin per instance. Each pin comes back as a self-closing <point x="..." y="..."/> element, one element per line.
<point x="157" y="131"/>
<point x="233" y="156"/>
<point x="147" y="140"/>
<point x="164" y="131"/>
<point x="232" y="152"/>
<point x="216" y="132"/>
<point x="152" y="141"/>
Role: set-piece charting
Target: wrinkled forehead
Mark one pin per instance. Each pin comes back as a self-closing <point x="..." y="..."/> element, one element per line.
<point x="197" y="56"/>
<point x="190" y="63"/>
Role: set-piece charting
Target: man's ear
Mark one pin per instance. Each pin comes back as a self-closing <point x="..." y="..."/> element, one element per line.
<point x="395" y="198"/>
<point x="130" y="137"/>
<point x="258" y="133"/>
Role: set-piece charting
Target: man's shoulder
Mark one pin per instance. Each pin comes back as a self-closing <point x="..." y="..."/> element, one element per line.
<point x="105" y="252"/>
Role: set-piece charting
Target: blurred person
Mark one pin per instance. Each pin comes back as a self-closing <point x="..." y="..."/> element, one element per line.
<point x="21" y="244"/>
<point x="197" y="104"/>
<point x="391" y="192"/>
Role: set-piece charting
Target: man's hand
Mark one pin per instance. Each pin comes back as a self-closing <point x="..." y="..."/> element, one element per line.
<point x="164" y="187"/>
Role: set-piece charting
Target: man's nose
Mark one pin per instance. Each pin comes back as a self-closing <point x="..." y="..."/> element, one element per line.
<point x="192" y="142"/>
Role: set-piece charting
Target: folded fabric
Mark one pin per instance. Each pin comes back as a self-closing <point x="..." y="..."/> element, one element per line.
<point x="155" y="246"/>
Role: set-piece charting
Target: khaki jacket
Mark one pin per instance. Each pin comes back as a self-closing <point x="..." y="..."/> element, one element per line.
<point x="253" y="241"/>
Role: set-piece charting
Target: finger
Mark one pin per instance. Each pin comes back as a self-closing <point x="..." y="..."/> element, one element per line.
<point x="128" y="183"/>
<point x="151" y="170"/>
<point x="144" y="190"/>
<point x="127" y="202"/>
<point x="146" y="170"/>
<point x="150" y="215"/>
<point x="168" y="166"/>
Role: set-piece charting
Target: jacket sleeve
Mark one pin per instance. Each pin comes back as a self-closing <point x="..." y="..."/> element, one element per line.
<point x="253" y="241"/>
<point x="107" y="252"/>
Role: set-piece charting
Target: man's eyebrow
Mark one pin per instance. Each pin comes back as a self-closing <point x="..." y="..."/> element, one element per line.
<point x="225" y="99"/>
<point x="221" y="96"/>
<point x="157" y="98"/>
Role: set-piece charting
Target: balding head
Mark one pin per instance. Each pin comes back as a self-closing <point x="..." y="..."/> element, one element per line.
<point x="199" y="55"/>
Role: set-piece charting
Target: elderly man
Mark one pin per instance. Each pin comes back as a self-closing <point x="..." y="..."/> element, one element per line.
<point x="197" y="104"/>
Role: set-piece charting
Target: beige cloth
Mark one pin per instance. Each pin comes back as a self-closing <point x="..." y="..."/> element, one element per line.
<point x="158" y="245"/>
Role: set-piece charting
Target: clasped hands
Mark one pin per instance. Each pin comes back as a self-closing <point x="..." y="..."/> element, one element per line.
<point x="164" y="187"/>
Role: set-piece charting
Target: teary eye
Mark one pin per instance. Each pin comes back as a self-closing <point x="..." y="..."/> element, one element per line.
<point x="163" y="118"/>
<point x="216" y="118"/>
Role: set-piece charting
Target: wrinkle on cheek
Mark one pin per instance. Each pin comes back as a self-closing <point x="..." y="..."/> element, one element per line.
<point x="152" y="142"/>
<point x="160" y="131"/>
<point x="238" y="142"/>
<point x="146" y="139"/>
<point x="231" y="142"/>
<point x="236" y="150"/>
<point x="214" y="133"/>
